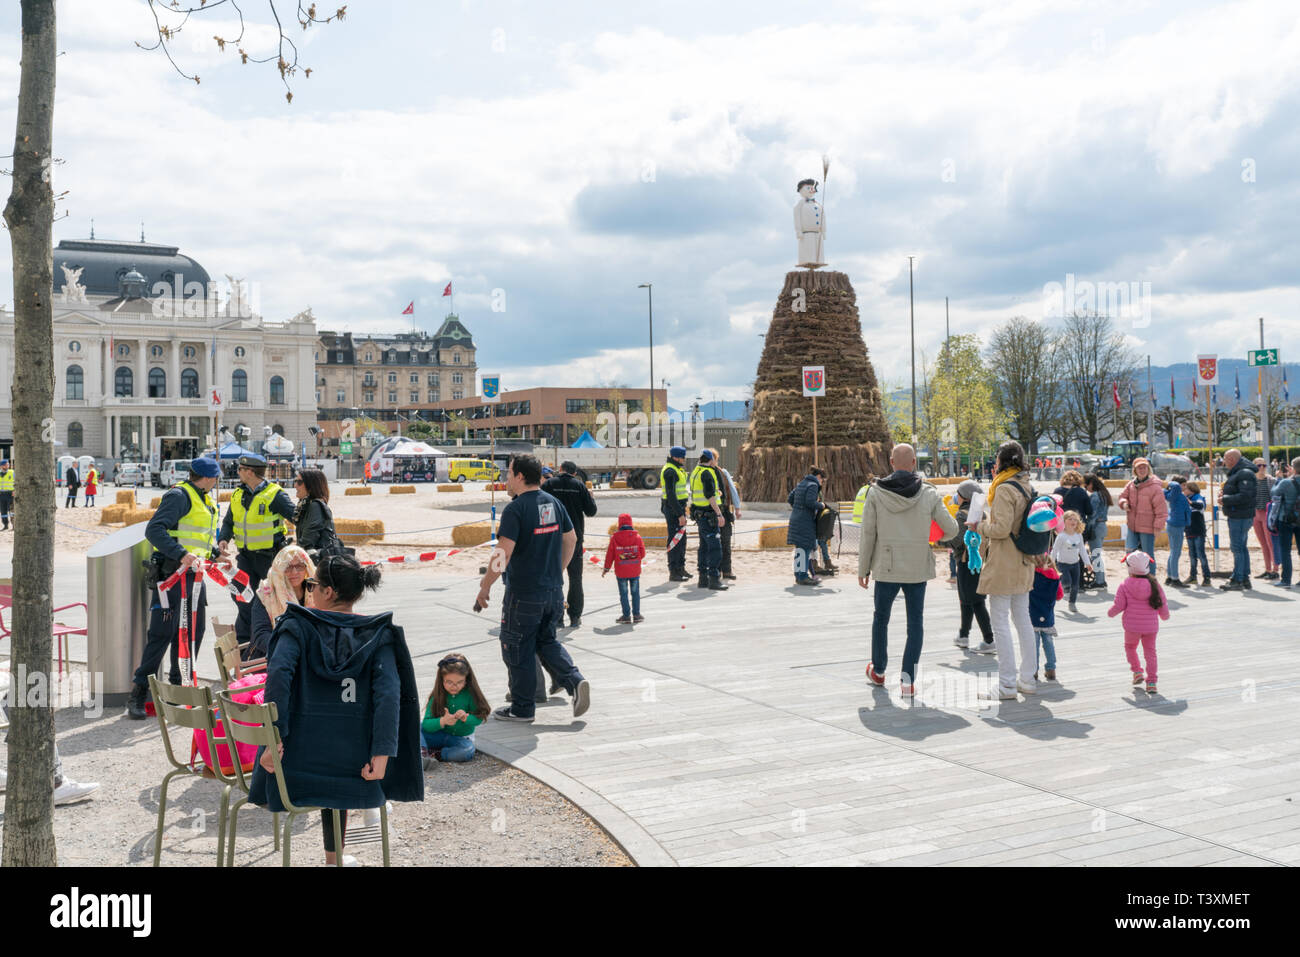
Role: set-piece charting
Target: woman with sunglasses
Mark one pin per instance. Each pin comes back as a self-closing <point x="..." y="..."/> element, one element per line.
<point x="347" y="708"/>
<point x="284" y="585"/>
<point x="313" y="522"/>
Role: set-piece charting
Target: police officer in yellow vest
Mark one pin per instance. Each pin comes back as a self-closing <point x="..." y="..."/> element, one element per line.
<point x="860" y="504"/>
<point x="674" y="493"/>
<point x="6" y="493"/>
<point x="706" y="509"/>
<point x="255" y="523"/>
<point x="183" y="532"/>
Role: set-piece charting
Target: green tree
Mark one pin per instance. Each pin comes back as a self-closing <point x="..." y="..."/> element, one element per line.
<point x="898" y="411"/>
<point x="1025" y="379"/>
<point x="965" y="411"/>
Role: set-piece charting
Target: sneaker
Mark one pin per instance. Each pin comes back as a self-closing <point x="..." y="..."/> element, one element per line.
<point x="637" y="619"/>
<point x="1151" y="687"/>
<point x="581" y="698"/>
<point x="1191" y="582"/>
<point x="997" y="693"/>
<point x="729" y="576"/>
<point x="1205" y="580"/>
<point x="1280" y="584"/>
<point x="427" y="758"/>
<point x="1050" y="674"/>
<point x="1138" y="678"/>
<point x="1231" y="586"/>
<point x="807" y="581"/>
<point x="350" y="861"/>
<point x="986" y="648"/>
<point x="907" y="691"/>
<point x="1176" y="583"/>
<point x="1246" y="585"/>
<point x="622" y="620"/>
<point x="505" y="714"/>
<point x="1074" y="609"/>
<point x="70" y="791"/>
<point x="575" y="623"/>
<point x="1027" y="687"/>
<point x="961" y="641"/>
<point x="1265" y="575"/>
<point x="873" y="676"/>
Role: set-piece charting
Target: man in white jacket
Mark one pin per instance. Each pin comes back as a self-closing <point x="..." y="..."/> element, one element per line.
<point x="895" y="548"/>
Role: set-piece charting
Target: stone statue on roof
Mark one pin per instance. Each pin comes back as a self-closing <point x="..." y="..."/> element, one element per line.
<point x="73" y="290"/>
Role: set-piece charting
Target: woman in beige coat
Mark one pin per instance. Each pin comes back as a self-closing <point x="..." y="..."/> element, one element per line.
<point x="1008" y="573"/>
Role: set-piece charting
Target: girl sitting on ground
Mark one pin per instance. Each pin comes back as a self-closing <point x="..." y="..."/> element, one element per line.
<point x="455" y="708"/>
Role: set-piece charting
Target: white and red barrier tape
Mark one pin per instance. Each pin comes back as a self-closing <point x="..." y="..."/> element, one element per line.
<point x="593" y="557"/>
<point x="239" y="587"/>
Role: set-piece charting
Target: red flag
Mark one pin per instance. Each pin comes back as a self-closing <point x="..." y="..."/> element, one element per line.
<point x="1194" y="396"/>
<point x="409" y="310"/>
<point x="447" y="291"/>
<point x="1115" y="393"/>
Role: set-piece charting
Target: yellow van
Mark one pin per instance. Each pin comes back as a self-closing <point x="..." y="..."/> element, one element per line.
<point x="472" y="470"/>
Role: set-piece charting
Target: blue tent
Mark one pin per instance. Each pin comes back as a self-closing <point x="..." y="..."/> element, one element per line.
<point x="585" y="441"/>
<point x="234" y="451"/>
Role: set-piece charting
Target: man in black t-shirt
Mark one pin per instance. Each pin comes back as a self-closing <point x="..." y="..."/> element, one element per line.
<point x="534" y="543"/>
<point x="576" y="498"/>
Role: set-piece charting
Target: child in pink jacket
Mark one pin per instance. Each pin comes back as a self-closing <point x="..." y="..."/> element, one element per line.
<point x="1143" y="605"/>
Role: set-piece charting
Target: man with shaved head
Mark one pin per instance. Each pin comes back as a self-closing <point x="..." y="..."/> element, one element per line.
<point x="1238" y="501"/>
<point x="895" y="548"/>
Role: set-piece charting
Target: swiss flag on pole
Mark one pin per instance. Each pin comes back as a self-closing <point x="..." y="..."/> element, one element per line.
<point x="1115" y="392"/>
<point x="409" y="310"/>
<point x="447" y="291"/>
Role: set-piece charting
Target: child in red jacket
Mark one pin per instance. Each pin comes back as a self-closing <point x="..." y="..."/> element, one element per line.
<point x="624" y="553"/>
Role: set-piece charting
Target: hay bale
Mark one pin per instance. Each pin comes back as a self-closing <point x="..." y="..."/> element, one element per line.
<point x="474" y="533"/>
<point x="359" y="531"/>
<point x="357" y="490"/>
<point x="155" y="501"/>
<point x="114" y="514"/>
<point x="589" y="485"/>
<point x="495" y="487"/>
<point x="772" y="535"/>
<point x="1115" y="538"/>
<point x="453" y="487"/>
<point x="401" y="490"/>
<point x="653" y="533"/>
<point x="126" y="497"/>
<point x="1114" y="483"/>
<point x="137" y="515"/>
<point x="223" y="496"/>
<point x="618" y="483"/>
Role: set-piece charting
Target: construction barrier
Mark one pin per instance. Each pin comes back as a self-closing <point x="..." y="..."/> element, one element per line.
<point x="401" y="490"/>
<point x="353" y="490"/>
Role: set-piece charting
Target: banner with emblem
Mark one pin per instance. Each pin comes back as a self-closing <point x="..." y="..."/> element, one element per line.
<point x="491" y="388"/>
<point x="814" y="382"/>
<point x="1207" y="370"/>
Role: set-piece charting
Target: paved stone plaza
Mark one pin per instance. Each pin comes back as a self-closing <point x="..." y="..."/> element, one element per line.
<point x="751" y="736"/>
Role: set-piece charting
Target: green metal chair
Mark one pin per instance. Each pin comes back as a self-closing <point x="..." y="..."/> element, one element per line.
<point x="187" y="707"/>
<point x="255" y="724"/>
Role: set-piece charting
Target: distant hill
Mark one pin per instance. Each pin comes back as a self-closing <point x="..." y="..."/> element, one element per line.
<point x="716" y="410"/>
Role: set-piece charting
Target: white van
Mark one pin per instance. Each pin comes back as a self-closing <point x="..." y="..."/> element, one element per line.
<point x="173" y="471"/>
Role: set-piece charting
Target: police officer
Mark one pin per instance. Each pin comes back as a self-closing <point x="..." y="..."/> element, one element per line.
<point x="255" y="523"/>
<point x="6" y="493"/>
<point x="706" y="510"/>
<point x="673" y="495"/>
<point x="183" y="532"/>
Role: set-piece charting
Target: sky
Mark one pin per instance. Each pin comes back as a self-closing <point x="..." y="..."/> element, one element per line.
<point x="549" y="158"/>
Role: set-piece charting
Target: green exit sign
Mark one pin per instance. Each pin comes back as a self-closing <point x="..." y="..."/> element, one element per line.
<point x="345" y="448"/>
<point x="1262" y="357"/>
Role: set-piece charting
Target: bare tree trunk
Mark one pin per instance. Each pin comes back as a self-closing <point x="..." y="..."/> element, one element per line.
<point x="29" y="214"/>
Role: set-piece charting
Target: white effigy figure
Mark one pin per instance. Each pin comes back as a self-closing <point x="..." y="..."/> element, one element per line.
<point x="809" y="226"/>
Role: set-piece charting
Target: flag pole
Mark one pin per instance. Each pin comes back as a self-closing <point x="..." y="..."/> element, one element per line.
<point x="1214" y="505"/>
<point x="814" y="401"/>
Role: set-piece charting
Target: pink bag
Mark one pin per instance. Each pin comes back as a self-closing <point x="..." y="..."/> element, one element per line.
<point x="247" y="752"/>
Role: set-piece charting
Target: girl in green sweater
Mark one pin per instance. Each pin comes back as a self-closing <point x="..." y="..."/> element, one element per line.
<point x="455" y="708"/>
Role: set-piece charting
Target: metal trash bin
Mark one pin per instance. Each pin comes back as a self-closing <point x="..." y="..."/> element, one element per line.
<point x="118" y="602"/>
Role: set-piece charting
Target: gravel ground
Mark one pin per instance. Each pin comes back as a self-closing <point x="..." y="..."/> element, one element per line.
<point x="482" y="813"/>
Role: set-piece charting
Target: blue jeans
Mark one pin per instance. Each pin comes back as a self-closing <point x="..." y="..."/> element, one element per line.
<point x="708" y="553"/>
<point x="1071" y="576"/>
<point x="1196" y="551"/>
<point x="1286" y="535"/>
<point x="528" y="624"/>
<point x="454" y="747"/>
<point x="824" y="545"/>
<point x="1175" y="533"/>
<point x="914" y="601"/>
<point x="1045" y="643"/>
<point x="630" y="587"/>
<point x="1143" y="540"/>
<point x="1238" y="530"/>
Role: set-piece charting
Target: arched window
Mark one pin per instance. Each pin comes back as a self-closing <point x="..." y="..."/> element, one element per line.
<point x="189" y="384"/>
<point x="157" y="383"/>
<point x="277" y="390"/>
<point x="278" y="429"/>
<point x="75" y="383"/>
<point x="123" y="382"/>
<point x="239" y="386"/>
<point x="75" y="435"/>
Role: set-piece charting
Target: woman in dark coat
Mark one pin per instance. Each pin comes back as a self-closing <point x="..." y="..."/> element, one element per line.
<point x="74" y="482"/>
<point x="313" y="522"/>
<point x="804" y="500"/>
<point x="1074" y="497"/>
<point x="347" y="705"/>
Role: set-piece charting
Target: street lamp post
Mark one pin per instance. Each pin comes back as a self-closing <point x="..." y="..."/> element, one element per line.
<point x="650" y="305"/>
<point x="911" y="309"/>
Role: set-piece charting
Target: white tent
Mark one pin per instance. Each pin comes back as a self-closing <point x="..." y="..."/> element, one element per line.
<point x="414" y="449"/>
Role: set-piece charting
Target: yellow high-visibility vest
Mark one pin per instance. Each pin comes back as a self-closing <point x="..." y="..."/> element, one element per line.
<point x="679" y="490"/>
<point x="7" y="481"/>
<point x="698" y="498"/>
<point x="255" y="527"/>
<point x="197" y="530"/>
<point x="860" y="504"/>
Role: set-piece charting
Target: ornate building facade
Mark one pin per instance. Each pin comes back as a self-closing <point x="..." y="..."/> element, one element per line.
<point x="142" y="336"/>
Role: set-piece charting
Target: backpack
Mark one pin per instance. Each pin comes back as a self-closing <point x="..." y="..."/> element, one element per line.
<point x="1027" y="540"/>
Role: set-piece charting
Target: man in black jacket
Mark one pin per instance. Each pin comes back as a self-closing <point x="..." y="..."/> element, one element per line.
<point x="674" y="495"/>
<point x="1238" y="501"/>
<point x="577" y="501"/>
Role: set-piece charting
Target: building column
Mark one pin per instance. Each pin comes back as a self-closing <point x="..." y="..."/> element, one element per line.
<point x="174" y="372"/>
<point x="141" y="368"/>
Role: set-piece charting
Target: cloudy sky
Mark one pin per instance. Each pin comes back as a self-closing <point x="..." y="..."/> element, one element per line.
<point x="562" y="153"/>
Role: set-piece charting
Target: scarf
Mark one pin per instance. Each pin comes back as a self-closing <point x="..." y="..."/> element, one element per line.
<point x="1001" y="477"/>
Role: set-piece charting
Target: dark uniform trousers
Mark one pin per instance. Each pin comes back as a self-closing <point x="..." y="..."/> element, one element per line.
<point x="165" y="627"/>
<point x="257" y="565"/>
<point x="7" y="506"/>
<point x="725" y="535"/>
<point x="709" y="550"/>
<point x="676" y="554"/>
<point x="574" y="599"/>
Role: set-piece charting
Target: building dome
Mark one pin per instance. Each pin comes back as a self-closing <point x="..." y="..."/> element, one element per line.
<point x="105" y="264"/>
